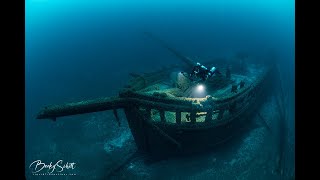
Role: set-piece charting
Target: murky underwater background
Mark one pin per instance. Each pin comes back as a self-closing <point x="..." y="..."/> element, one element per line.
<point x="81" y="49"/>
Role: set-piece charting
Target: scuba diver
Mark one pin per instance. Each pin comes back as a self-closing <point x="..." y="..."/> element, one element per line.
<point x="200" y="73"/>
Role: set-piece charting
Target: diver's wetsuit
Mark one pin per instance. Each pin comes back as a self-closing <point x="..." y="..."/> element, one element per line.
<point x="200" y="73"/>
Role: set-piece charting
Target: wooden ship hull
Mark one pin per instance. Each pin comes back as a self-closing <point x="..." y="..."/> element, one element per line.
<point x="170" y="121"/>
<point x="221" y="120"/>
<point x="163" y="125"/>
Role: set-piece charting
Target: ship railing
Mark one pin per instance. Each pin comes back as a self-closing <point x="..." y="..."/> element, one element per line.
<point x="193" y="109"/>
<point x="160" y="108"/>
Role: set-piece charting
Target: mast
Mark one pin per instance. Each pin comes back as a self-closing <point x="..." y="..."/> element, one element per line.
<point x="189" y="62"/>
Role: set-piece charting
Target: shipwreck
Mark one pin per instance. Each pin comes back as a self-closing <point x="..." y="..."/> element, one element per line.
<point x="170" y="115"/>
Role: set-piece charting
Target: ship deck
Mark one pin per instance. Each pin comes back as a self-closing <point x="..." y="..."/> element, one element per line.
<point x="169" y="88"/>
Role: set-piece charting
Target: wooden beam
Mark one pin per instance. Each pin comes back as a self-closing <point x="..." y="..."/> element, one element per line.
<point x="178" y="117"/>
<point x="81" y="107"/>
<point x="193" y="116"/>
<point x="209" y="116"/>
<point x="162" y="116"/>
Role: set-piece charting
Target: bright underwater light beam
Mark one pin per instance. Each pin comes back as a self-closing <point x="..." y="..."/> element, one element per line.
<point x="199" y="91"/>
<point x="200" y="88"/>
